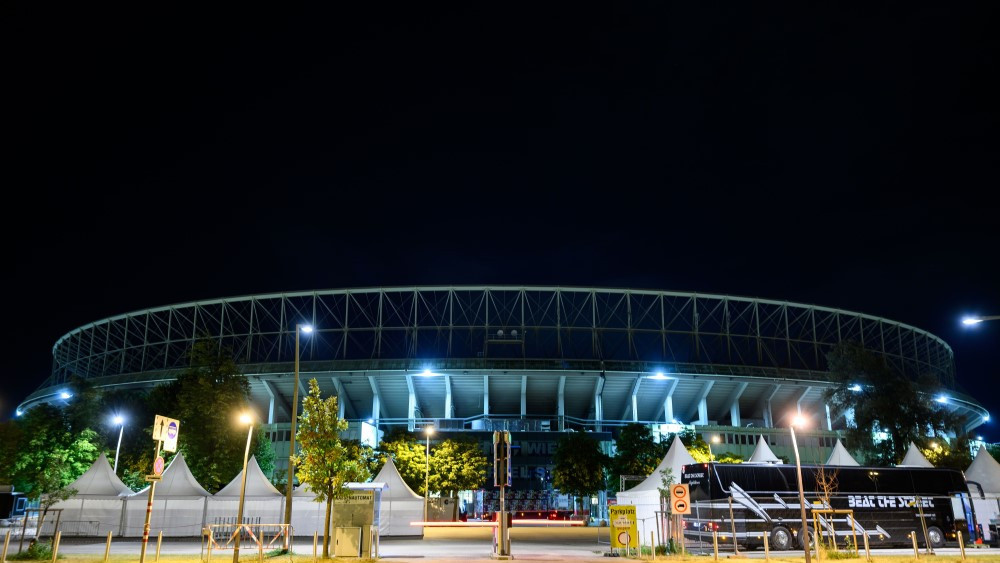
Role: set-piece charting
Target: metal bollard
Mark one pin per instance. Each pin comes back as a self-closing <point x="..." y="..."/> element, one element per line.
<point x="652" y="545"/>
<point x="260" y="545"/>
<point x="315" y="542"/>
<point x="916" y="552"/>
<point x="715" y="544"/>
<point x="767" y="547"/>
<point x="961" y="544"/>
<point x="107" y="548"/>
<point x="159" y="541"/>
<point x="55" y="546"/>
<point x="210" y="540"/>
<point x="868" y="551"/>
<point x="6" y="544"/>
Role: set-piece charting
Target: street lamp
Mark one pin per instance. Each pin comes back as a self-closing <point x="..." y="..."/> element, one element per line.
<point x="245" y="418"/>
<point x="969" y="321"/>
<point x="299" y="328"/>
<point x="427" y="468"/>
<point x="713" y="440"/>
<point x="120" y="421"/>
<point x="799" y="420"/>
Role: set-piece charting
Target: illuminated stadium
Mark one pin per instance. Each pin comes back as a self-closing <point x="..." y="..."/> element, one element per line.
<point x="535" y="360"/>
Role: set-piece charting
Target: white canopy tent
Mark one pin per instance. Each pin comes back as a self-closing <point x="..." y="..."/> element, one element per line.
<point x="914" y="458"/>
<point x="763" y="454"/>
<point x="400" y="505"/>
<point x="262" y="503"/>
<point x="179" y="504"/>
<point x="307" y="514"/>
<point x="646" y="495"/>
<point x="98" y="505"/>
<point x="984" y="472"/>
<point x="840" y="456"/>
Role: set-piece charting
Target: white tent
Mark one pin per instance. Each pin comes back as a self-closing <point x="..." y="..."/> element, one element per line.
<point x="914" y="458"/>
<point x="763" y="454"/>
<point x="646" y="496"/>
<point x="179" y="504"/>
<point x="400" y="505"/>
<point x="262" y="503"/>
<point x="98" y="504"/>
<point x="985" y="471"/>
<point x="840" y="456"/>
<point x="307" y="514"/>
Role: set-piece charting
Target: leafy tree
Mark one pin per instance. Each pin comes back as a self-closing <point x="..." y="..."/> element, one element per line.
<point x="456" y="465"/>
<point x="993" y="450"/>
<point x="953" y="455"/>
<point x="263" y="451"/>
<point x="579" y="465"/>
<point x="135" y="459"/>
<point x="365" y="454"/>
<point x="884" y="399"/>
<point x="207" y="398"/>
<point x="699" y="450"/>
<point x="666" y="479"/>
<point x="10" y="446"/>
<point x="637" y="454"/>
<point x="323" y="461"/>
<point x="409" y="456"/>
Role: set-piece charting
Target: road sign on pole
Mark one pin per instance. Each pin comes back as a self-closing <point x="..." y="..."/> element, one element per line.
<point x="680" y="499"/>
<point x="166" y="430"/>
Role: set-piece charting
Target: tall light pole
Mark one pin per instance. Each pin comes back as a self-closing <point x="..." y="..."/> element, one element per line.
<point x="299" y="328"/>
<point x="713" y="440"/>
<point x="245" y="418"/>
<point x="427" y="469"/>
<point x="969" y="321"/>
<point x="799" y="420"/>
<point x="120" y="421"/>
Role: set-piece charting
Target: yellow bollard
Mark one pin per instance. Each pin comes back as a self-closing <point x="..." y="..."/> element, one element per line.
<point x="55" y="546"/>
<point x="315" y="542"/>
<point x="868" y="551"/>
<point x="210" y="541"/>
<point x="715" y="544"/>
<point x="767" y="547"/>
<point x="961" y="545"/>
<point x="159" y="540"/>
<point x="107" y="548"/>
<point x="6" y="544"/>
<point x="916" y="552"/>
<point x="652" y="545"/>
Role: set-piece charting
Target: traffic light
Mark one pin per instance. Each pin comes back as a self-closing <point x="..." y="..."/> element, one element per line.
<point x="501" y="458"/>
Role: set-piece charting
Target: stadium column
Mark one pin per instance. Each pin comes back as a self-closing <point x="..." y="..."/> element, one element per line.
<point x="632" y="404"/>
<point x="765" y="405"/>
<point x="486" y="396"/>
<point x="411" y="405"/>
<point x="376" y="403"/>
<point x="802" y="397"/>
<point x="702" y="402"/>
<point x="343" y="401"/>
<point x="277" y="400"/>
<point x="732" y="405"/>
<point x="668" y="401"/>
<point x="447" y="397"/>
<point x="599" y="402"/>
<point x="524" y="396"/>
<point x="829" y="422"/>
<point x="562" y="403"/>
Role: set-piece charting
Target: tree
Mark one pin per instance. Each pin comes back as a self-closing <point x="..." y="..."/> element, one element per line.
<point x="579" y="465"/>
<point x="207" y="398"/>
<point x="263" y="451"/>
<point x="10" y="446"/>
<point x="883" y="399"/>
<point x="365" y="454"/>
<point x="636" y="453"/>
<point x="323" y="461"/>
<point x="993" y="450"/>
<point x="456" y="465"/>
<point x="953" y="455"/>
<point x="408" y="455"/>
<point x="699" y="450"/>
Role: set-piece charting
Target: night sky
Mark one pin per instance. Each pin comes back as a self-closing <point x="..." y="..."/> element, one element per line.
<point x="836" y="155"/>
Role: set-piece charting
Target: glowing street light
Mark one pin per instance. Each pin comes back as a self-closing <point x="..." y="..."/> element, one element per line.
<point x="427" y="468"/>
<point x="120" y="421"/>
<point x="799" y="420"/>
<point x="299" y="328"/>
<point x="713" y="440"/>
<point x="245" y="418"/>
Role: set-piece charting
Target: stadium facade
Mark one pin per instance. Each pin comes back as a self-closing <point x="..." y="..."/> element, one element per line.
<point x="535" y="360"/>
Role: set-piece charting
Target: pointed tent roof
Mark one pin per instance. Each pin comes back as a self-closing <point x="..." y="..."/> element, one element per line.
<point x="177" y="482"/>
<point x="840" y="456"/>
<point x="914" y="458"/>
<point x="100" y="482"/>
<point x="677" y="457"/>
<point x="763" y="454"/>
<point x="257" y="484"/>
<point x="398" y="489"/>
<point x="986" y="471"/>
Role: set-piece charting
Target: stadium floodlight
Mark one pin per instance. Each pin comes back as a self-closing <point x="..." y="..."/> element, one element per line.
<point x="941" y="399"/>
<point x="658" y="375"/>
<point x="18" y="412"/>
<point x="986" y="418"/>
<point x="305" y="328"/>
<point x="427" y="373"/>
<point x="970" y="321"/>
<point x="855" y="387"/>
<point x="64" y="395"/>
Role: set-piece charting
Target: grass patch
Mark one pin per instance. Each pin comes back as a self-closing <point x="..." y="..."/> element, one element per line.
<point x="37" y="551"/>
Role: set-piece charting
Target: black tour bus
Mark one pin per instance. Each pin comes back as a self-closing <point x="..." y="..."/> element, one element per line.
<point x="765" y="499"/>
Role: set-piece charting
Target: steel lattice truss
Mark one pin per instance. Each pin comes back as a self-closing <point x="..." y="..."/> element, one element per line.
<point x="496" y="327"/>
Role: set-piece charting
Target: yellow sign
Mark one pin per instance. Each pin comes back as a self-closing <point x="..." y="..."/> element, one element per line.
<point x="623" y="529"/>
<point x="166" y="430"/>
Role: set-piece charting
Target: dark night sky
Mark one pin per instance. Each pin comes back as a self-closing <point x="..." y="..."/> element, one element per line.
<point x="837" y="155"/>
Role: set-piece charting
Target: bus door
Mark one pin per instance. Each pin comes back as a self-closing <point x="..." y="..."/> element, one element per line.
<point x="963" y="511"/>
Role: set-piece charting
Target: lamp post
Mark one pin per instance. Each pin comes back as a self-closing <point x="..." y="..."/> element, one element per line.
<point x="969" y="321"/>
<point x="427" y="469"/>
<point x="299" y="328"/>
<point x="713" y="440"/>
<point x="798" y="420"/>
<point x="245" y="418"/>
<point x="120" y="421"/>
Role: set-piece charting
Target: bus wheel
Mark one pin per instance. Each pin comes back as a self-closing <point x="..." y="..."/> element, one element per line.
<point x="781" y="538"/>
<point x="807" y="541"/>
<point x="936" y="536"/>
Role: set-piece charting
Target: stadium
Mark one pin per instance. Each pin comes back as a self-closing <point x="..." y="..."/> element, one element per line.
<point x="538" y="361"/>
